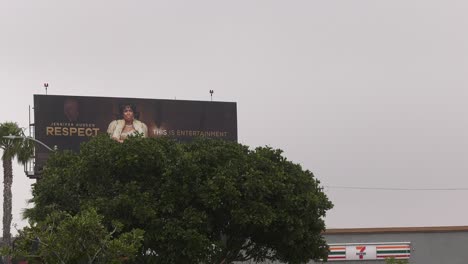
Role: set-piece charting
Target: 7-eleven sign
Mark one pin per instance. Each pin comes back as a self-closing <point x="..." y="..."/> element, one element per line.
<point x="361" y="252"/>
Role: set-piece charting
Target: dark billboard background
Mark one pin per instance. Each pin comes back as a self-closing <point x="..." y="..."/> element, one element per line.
<point x="67" y="121"/>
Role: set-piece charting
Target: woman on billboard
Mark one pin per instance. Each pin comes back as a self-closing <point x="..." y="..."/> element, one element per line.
<point x="127" y="125"/>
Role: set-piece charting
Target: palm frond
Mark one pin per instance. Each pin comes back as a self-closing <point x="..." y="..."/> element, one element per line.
<point x="21" y="149"/>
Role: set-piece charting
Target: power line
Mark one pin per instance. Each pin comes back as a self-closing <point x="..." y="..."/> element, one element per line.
<point x="395" y="189"/>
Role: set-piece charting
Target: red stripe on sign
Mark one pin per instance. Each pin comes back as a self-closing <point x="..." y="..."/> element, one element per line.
<point x="393" y="256"/>
<point x="336" y="257"/>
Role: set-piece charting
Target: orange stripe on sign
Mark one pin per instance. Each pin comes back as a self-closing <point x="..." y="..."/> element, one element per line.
<point x="337" y="248"/>
<point x="382" y="247"/>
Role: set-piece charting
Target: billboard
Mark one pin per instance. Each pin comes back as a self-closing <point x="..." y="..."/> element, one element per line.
<point x="67" y="121"/>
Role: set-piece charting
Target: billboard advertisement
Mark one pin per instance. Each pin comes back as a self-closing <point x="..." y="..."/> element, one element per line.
<point x="67" y="121"/>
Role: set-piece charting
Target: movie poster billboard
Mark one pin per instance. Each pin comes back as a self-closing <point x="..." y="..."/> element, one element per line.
<point x="68" y="121"/>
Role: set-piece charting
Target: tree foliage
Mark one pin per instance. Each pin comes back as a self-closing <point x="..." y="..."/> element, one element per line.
<point x="63" y="238"/>
<point x="207" y="201"/>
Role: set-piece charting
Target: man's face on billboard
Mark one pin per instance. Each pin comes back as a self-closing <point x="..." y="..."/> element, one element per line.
<point x="70" y="108"/>
<point x="128" y="114"/>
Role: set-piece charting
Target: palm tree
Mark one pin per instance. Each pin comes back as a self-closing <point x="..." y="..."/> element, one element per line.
<point x="22" y="150"/>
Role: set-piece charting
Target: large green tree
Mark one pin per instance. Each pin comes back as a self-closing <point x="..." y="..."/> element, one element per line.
<point x="12" y="148"/>
<point x="207" y="201"/>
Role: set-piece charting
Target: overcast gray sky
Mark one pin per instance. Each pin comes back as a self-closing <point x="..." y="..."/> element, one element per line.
<point x="362" y="93"/>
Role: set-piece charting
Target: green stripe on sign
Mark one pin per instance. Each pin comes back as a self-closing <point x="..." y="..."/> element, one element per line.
<point x="393" y="251"/>
<point x="337" y="253"/>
